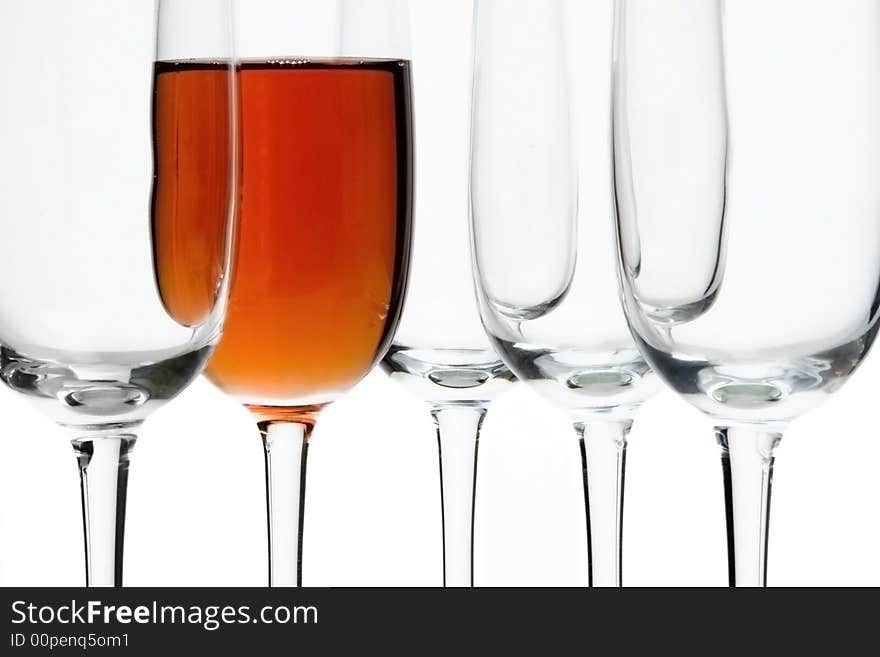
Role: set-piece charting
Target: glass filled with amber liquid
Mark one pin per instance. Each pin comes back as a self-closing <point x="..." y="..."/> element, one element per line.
<point x="324" y="234"/>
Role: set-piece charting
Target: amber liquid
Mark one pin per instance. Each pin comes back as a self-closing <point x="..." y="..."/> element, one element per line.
<point x="324" y="233"/>
<point x="192" y="185"/>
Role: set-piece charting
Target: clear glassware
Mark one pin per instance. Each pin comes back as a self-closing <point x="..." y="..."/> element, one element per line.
<point x="324" y="239"/>
<point x="747" y="150"/>
<point x="117" y="205"/>
<point x="440" y="352"/>
<point x="543" y="235"/>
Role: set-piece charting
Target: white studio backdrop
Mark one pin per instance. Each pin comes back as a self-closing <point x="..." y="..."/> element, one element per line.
<point x="196" y="504"/>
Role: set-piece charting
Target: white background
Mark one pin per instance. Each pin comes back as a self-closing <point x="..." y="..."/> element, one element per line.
<point x="196" y="504"/>
<point x="196" y="496"/>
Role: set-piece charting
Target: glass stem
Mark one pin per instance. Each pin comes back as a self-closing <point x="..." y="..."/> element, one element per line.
<point x="286" y="447"/>
<point x="603" y="457"/>
<point x="103" y="468"/>
<point x="458" y="434"/>
<point x="747" y="461"/>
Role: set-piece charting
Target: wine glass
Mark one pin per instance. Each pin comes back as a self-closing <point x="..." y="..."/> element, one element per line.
<point x="324" y="239"/>
<point x="440" y="352"/>
<point x="747" y="150"/>
<point x="118" y="164"/>
<point x="543" y="235"/>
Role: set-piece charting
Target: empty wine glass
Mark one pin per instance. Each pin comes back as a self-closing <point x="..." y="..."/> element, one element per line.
<point x="543" y="235"/>
<point x="440" y="352"/>
<point x="111" y="299"/>
<point x="326" y="205"/>
<point x="747" y="151"/>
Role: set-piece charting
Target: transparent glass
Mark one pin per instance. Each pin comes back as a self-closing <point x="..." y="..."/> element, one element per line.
<point x="118" y="169"/>
<point x="747" y="149"/>
<point x="324" y="242"/>
<point x="543" y="234"/>
<point x="441" y="353"/>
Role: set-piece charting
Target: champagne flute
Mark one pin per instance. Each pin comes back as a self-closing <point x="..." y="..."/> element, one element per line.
<point x="543" y="235"/>
<point x="440" y="353"/>
<point x="324" y="239"/>
<point x="747" y="149"/>
<point x="111" y="300"/>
